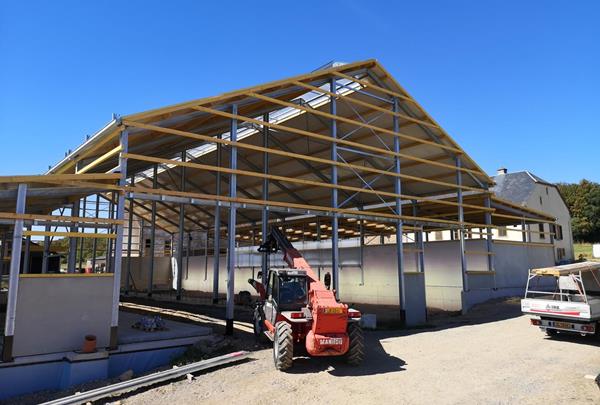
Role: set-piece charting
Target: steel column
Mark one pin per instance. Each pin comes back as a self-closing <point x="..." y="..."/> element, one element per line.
<point x="265" y="196"/>
<point x="217" y="232"/>
<point x="72" y="258"/>
<point x="399" y="242"/>
<point x="95" y="241"/>
<point x="129" y="240"/>
<point x="180" y="239"/>
<point x="27" y="255"/>
<point x="46" y="251"/>
<point x="231" y="229"/>
<point x="335" y="253"/>
<point x="488" y="231"/>
<point x="13" y="280"/>
<point x="114" y="321"/>
<point x="152" y="233"/>
<point x="461" y="233"/>
<point x="82" y="240"/>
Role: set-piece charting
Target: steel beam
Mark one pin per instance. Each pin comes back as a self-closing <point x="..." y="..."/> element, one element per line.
<point x="72" y="258"/>
<point x="129" y="241"/>
<point x="265" y="197"/>
<point x="217" y="231"/>
<point x="118" y="260"/>
<point x="152" y="234"/>
<point x="335" y="253"/>
<point x="231" y="229"/>
<point x="27" y="255"/>
<point x="180" y="239"/>
<point x="398" y="208"/>
<point x="46" y="252"/>
<point x="13" y="278"/>
<point x="461" y="235"/>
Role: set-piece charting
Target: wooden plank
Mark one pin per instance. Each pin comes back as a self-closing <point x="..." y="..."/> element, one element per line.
<point x="365" y="104"/>
<point x="65" y="275"/>
<point x="264" y="87"/>
<point x="294" y="180"/>
<point x="99" y="160"/>
<point x="353" y="122"/>
<point x="527" y="219"/>
<point x="59" y="178"/>
<point x="72" y="234"/>
<point x="375" y="214"/>
<point x="9" y="215"/>
<point x="532" y="244"/>
<point x="278" y="152"/>
<point x="333" y="140"/>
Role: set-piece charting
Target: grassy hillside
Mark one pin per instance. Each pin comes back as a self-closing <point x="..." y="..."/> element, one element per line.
<point x="585" y="250"/>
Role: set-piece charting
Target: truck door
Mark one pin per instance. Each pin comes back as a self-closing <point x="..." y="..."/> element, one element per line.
<point x="269" y="301"/>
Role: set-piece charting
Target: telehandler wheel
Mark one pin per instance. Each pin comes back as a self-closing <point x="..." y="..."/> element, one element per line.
<point x="258" y="328"/>
<point x="283" y="346"/>
<point x="551" y="332"/>
<point x="356" y="351"/>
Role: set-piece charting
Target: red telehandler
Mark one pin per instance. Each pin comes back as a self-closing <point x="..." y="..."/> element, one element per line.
<point x="297" y="308"/>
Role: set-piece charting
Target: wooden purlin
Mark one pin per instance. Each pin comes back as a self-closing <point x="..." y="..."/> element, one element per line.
<point x="82" y="220"/>
<point x="59" y="178"/>
<point x="72" y="234"/>
<point x="330" y="139"/>
<point x="288" y="154"/>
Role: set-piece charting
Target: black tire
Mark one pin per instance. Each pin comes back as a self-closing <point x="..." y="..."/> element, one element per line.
<point x="356" y="351"/>
<point x="257" y="323"/>
<point x="551" y="332"/>
<point x="283" y="346"/>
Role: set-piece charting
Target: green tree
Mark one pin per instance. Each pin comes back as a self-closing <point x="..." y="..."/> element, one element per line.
<point x="583" y="200"/>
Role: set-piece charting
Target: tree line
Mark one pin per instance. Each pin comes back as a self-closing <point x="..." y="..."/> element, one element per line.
<point x="583" y="200"/>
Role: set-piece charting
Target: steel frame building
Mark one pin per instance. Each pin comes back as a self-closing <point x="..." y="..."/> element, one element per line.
<point x="341" y="152"/>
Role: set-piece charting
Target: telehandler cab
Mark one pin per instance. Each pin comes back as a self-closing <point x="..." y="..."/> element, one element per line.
<point x="297" y="308"/>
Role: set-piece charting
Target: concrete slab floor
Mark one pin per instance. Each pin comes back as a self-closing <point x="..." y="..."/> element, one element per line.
<point x="175" y="330"/>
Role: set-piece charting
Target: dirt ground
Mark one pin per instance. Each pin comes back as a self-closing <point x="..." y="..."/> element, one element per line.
<point x="491" y="356"/>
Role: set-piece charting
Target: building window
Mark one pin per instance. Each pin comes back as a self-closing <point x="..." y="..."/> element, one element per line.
<point x="455" y="234"/>
<point x="167" y="248"/>
<point x="502" y="232"/>
<point x="541" y="229"/>
<point x="560" y="253"/>
<point x="546" y="190"/>
<point x="148" y="243"/>
<point x="558" y="232"/>
<point x="439" y="235"/>
<point x="541" y="202"/>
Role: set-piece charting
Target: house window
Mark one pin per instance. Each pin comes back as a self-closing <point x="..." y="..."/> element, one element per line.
<point x="502" y="232"/>
<point x="455" y="234"/>
<point x="558" y="233"/>
<point x="541" y="229"/>
<point x="148" y="243"/>
<point x="546" y="190"/>
<point x="439" y="235"/>
<point x="167" y="248"/>
<point x="541" y="202"/>
<point x="560" y="253"/>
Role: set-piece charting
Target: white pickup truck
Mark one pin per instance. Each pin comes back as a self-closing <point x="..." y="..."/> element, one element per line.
<point x="564" y="299"/>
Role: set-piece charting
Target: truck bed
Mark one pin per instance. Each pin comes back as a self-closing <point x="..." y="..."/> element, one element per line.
<point x="547" y="307"/>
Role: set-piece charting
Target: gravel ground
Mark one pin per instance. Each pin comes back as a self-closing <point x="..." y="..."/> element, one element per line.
<point x="492" y="356"/>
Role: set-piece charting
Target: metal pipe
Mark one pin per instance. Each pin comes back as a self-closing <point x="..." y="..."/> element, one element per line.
<point x="46" y="251"/>
<point x="399" y="244"/>
<point x="13" y="278"/>
<point x="335" y="253"/>
<point x="231" y="229"/>
<point x="148" y="380"/>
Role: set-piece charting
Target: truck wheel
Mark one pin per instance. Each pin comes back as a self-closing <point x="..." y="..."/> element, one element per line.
<point x="551" y="332"/>
<point x="283" y="346"/>
<point x="356" y="351"/>
<point x="258" y="328"/>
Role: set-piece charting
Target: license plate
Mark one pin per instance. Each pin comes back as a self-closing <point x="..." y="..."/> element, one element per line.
<point x="564" y="325"/>
<point x="332" y="310"/>
<point x="331" y="341"/>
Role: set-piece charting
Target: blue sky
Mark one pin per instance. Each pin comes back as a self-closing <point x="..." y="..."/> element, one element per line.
<point x="516" y="83"/>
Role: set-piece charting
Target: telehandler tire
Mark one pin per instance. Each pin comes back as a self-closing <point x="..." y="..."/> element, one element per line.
<point x="283" y="346"/>
<point x="356" y="351"/>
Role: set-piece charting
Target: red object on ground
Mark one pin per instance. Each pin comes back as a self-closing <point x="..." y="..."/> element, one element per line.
<point x="89" y="344"/>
